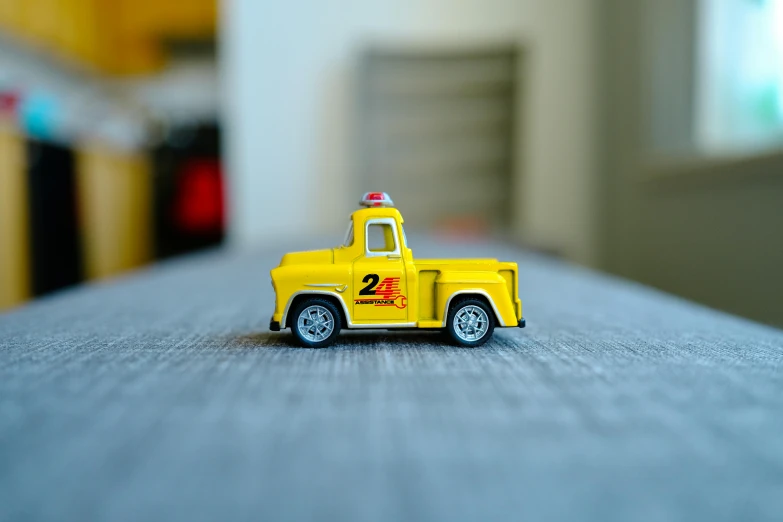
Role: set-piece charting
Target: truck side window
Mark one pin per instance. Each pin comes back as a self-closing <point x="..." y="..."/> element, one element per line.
<point x="380" y="238"/>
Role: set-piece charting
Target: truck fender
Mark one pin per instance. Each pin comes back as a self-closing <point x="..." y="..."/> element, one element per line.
<point x="284" y="320"/>
<point x="473" y="291"/>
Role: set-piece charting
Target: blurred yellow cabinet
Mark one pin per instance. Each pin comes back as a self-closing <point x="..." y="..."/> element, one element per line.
<point x="115" y="200"/>
<point x="111" y="36"/>
<point x="14" y="237"/>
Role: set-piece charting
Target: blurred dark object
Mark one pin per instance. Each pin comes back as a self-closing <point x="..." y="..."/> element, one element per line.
<point x="54" y="228"/>
<point x="189" y="199"/>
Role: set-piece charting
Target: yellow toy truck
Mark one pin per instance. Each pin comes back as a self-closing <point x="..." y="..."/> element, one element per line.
<point x="372" y="281"/>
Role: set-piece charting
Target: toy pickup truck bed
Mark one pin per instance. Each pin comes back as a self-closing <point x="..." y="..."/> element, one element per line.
<point x="441" y="280"/>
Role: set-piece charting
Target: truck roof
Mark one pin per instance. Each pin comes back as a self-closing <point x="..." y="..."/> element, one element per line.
<point x="375" y="212"/>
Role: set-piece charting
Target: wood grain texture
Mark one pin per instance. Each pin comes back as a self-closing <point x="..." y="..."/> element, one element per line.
<point x="162" y="396"/>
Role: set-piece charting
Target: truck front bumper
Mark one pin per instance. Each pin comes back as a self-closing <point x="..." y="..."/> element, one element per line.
<point x="521" y="323"/>
<point x="274" y="326"/>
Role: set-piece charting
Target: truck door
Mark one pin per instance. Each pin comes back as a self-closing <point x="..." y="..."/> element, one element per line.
<point x="379" y="282"/>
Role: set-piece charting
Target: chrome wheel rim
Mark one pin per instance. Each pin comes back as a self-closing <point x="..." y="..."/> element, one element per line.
<point x="315" y="323"/>
<point x="471" y="323"/>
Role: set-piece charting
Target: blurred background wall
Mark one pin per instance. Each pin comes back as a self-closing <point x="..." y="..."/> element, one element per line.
<point x="297" y="75"/>
<point x="692" y="157"/>
<point x="640" y="137"/>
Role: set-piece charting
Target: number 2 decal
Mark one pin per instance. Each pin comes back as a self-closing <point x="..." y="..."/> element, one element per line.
<point x="388" y="293"/>
<point x="368" y="290"/>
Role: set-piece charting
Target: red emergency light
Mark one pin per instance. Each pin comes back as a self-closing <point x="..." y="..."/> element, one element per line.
<point x="376" y="199"/>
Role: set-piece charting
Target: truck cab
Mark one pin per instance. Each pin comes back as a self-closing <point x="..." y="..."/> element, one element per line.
<point x="372" y="281"/>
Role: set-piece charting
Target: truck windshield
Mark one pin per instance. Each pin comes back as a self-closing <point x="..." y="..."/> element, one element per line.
<point x="349" y="235"/>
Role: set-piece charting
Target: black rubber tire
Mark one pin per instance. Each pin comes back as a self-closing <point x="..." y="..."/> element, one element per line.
<point x="325" y="303"/>
<point x="459" y="304"/>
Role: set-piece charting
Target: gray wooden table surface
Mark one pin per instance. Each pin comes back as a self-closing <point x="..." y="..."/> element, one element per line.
<point x="162" y="396"/>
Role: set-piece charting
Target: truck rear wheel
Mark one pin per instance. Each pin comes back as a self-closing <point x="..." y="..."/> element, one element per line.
<point x="316" y="323"/>
<point x="470" y="322"/>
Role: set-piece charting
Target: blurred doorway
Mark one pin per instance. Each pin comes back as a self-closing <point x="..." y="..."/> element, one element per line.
<point x="436" y="131"/>
<point x="55" y="241"/>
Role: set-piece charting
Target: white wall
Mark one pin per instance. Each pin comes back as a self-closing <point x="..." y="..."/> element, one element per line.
<point x="288" y="68"/>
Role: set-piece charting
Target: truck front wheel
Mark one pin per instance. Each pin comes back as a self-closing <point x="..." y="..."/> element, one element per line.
<point x="316" y="323"/>
<point x="470" y="322"/>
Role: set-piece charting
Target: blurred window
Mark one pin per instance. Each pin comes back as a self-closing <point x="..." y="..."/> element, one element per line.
<point x="739" y="84"/>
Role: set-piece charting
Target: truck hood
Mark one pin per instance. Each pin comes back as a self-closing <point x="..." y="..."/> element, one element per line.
<point x="323" y="257"/>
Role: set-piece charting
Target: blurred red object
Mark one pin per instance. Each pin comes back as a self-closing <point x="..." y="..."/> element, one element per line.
<point x="463" y="227"/>
<point x="9" y="102"/>
<point x="198" y="204"/>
